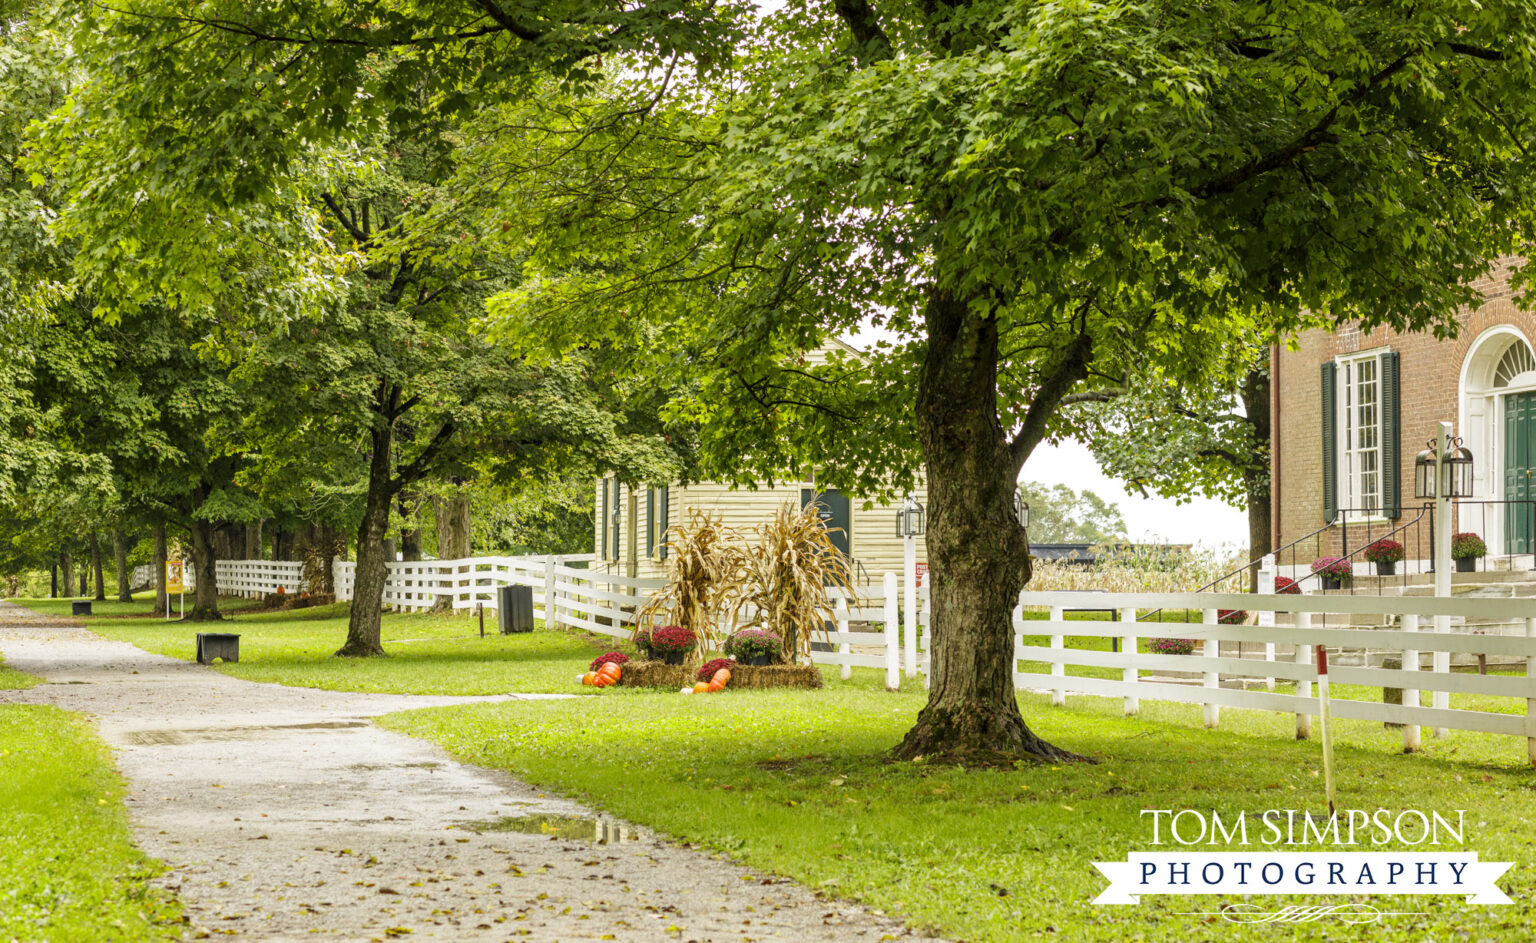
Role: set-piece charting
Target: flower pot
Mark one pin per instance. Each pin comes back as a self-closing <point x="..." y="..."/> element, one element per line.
<point x="1386" y="568"/>
<point x="671" y="658"/>
<point x="1466" y="564"/>
<point x="756" y="661"/>
<point x="1330" y="582"/>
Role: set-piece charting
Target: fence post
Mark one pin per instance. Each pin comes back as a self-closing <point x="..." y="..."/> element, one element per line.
<point x="551" y="620"/>
<point x="1058" y="669"/>
<point x="1410" y="695"/>
<point x="1303" y="686"/>
<point x="840" y="611"/>
<point x="909" y="609"/>
<point x="1530" y="703"/>
<point x="1128" y="646"/>
<point x="1441" y="663"/>
<point x="1212" y="678"/>
<point x="1266" y="619"/>
<point x="892" y="644"/>
<point x="927" y="625"/>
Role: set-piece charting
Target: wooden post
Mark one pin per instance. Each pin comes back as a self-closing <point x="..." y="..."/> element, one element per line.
<point x="892" y="642"/>
<point x="1058" y="643"/>
<point x="1410" y="695"/>
<point x="1128" y="646"/>
<point x="1303" y="686"/>
<point x="926" y="621"/>
<point x="1530" y="702"/>
<point x="1212" y="678"/>
<point x="1322" y="718"/>
<point x="846" y="648"/>
<point x="551" y="616"/>
<point x="1266" y="618"/>
<point x="909" y="609"/>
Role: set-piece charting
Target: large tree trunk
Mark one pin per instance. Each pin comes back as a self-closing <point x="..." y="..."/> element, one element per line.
<point x="253" y="543"/>
<point x="120" y="563"/>
<point x="160" y="557"/>
<point x="205" y="562"/>
<point x="67" y="572"/>
<point x="96" y="568"/>
<point x="365" y="623"/>
<point x="978" y="555"/>
<point x="452" y="526"/>
<point x="1256" y="477"/>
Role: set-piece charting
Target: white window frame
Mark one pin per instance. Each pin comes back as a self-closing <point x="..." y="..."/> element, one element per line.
<point x="1360" y="459"/>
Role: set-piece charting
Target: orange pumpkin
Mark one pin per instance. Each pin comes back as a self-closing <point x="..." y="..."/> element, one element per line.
<point x="589" y="679"/>
<point x="713" y="687"/>
<point x="722" y="677"/>
<point x="700" y="688"/>
<point x="610" y="671"/>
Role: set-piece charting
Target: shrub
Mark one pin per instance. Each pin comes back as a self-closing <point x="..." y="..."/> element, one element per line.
<point x="672" y="638"/>
<point x="1287" y="586"/>
<point x="1171" y="646"/>
<point x="1335" y="567"/>
<point x="749" y="643"/>
<point x="713" y="665"/>
<point x="1383" y="551"/>
<point x="1231" y="616"/>
<point x="1467" y="545"/>
<point x="642" y="640"/>
<point x="617" y="658"/>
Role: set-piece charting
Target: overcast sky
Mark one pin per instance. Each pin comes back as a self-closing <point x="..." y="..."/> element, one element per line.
<point x="1199" y="521"/>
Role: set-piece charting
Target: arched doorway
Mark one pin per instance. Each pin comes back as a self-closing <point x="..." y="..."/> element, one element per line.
<point x="1498" y="423"/>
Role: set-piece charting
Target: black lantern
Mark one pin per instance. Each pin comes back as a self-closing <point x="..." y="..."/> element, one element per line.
<point x="911" y="520"/>
<point x="1021" y="509"/>
<point x="1424" y="468"/>
<point x="1455" y="472"/>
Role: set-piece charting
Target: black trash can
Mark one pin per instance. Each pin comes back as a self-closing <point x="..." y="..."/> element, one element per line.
<point x="80" y="607"/>
<point x="514" y="609"/>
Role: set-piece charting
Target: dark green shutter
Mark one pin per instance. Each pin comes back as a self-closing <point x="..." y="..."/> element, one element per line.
<point x="602" y="522"/>
<point x="1391" y="438"/>
<point x="650" y="522"/>
<point x="613" y="542"/>
<point x="663" y="502"/>
<point x="1330" y="443"/>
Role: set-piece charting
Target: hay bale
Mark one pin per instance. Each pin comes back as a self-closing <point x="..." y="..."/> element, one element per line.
<point x="655" y="674"/>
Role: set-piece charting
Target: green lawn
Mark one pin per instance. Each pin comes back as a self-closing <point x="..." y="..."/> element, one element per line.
<point x="68" y="870"/>
<point x="796" y="783"/>
<point x="12" y="680"/>
<point x="428" y="654"/>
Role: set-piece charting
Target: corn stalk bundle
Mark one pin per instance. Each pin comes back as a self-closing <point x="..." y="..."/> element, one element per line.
<point x="705" y="575"/>
<point x="792" y="571"/>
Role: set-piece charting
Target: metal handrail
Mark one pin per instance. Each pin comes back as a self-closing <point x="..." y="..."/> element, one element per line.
<point x="1427" y="509"/>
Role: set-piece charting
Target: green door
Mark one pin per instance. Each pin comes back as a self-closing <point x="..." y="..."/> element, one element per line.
<point x="1519" y="470"/>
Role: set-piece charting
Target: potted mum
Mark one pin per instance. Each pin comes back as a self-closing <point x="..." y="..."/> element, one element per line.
<point x="1335" y="571"/>
<point x="672" y="643"/>
<point x="1287" y="586"/>
<point x="754" y="647"/>
<point x="1466" y="547"/>
<point x="1385" y="553"/>
<point x="1171" y="646"/>
<point x="1231" y="616"/>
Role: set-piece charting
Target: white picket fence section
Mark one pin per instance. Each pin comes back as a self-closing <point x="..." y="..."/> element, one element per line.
<point x="1286" y="652"/>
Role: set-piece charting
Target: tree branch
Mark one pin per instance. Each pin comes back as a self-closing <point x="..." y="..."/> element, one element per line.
<point x="418" y="466"/>
<point x="505" y="21"/>
<point x="1070" y="370"/>
<point x="868" y="35"/>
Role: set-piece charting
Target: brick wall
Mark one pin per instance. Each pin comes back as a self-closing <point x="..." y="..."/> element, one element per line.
<point x="1429" y="379"/>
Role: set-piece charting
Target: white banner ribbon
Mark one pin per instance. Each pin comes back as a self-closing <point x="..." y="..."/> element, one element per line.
<point x="1360" y="872"/>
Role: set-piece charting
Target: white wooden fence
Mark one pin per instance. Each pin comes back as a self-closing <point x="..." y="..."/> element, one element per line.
<point x="1286" y="652"/>
<point x="1233" y="665"/>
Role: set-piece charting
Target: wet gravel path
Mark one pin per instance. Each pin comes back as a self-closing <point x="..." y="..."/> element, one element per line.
<point x="285" y="814"/>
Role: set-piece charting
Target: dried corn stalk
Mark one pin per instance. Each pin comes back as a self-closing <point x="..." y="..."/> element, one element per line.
<point x="792" y="570"/>
<point x="705" y="576"/>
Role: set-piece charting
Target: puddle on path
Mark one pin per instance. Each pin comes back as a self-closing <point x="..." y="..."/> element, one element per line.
<point x="167" y="737"/>
<point x="584" y="827"/>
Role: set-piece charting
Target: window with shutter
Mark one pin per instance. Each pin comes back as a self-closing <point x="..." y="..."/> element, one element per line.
<point x="650" y="522"/>
<point x="613" y="523"/>
<point x="663" y="518"/>
<point x="602" y="521"/>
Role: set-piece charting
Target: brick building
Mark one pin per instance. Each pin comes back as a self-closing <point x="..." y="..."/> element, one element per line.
<point x="1352" y="409"/>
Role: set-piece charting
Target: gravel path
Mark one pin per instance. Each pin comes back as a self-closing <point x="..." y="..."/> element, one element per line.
<point x="285" y="814"/>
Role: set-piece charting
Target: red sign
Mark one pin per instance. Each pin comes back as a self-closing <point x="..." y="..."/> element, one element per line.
<point x="922" y="571"/>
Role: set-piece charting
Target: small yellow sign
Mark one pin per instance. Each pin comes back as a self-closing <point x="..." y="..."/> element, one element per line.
<point x="173" y="576"/>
